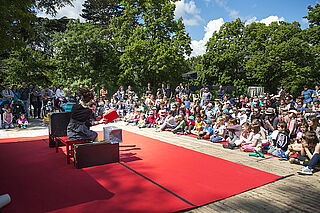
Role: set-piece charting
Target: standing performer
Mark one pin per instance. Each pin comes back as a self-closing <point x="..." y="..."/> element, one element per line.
<point x="78" y="127"/>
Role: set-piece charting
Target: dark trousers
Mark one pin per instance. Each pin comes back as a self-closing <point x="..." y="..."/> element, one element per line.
<point x="314" y="160"/>
<point x="36" y="108"/>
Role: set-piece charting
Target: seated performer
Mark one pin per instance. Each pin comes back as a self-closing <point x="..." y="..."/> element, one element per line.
<point x="78" y="127"/>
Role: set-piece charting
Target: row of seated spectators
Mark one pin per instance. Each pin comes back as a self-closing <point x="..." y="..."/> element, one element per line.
<point x="281" y="126"/>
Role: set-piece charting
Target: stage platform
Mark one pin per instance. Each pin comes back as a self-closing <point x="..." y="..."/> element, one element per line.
<point x="293" y="193"/>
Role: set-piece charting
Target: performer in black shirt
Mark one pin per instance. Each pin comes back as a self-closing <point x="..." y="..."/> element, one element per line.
<point x="78" y="127"/>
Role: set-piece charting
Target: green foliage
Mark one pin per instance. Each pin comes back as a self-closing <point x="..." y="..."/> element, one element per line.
<point x="26" y="65"/>
<point x="43" y="29"/>
<point x="15" y="17"/>
<point x="50" y="6"/>
<point x="83" y="54"/>
<point x="260" y="55"/>
<point x="139" y="41"/>
<point x="101" y="11"/>
<point x="154" y="48"/>
<point x="313" y="15"/>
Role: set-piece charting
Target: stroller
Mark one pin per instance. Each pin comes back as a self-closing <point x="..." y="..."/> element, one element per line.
<point x="17" y="110"/>
<point x="47" y="107"/>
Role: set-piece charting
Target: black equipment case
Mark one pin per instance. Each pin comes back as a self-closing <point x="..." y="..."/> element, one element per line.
<point x="58" y="123"/>
<point x="94" y="154"/>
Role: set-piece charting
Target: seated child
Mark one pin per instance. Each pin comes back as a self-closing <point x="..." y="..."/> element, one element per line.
<point x="169" y="123"/>
<point x="134" y="118"/>
<point x="190" y="125"/>
<point x="129" y="116"/>
<point x="46" y="119"/>
<point x="151" y="120"/>
<point x="207" y="132"/>
<point x="297" y="145"/>
<point x="219" y="131"/>
<point x="7" y="118"/>
<point x="22" y="121"/>
<point x="280" y="144"/>
<point x="142" y="121"/>
<point x="198" y="126"/>
<point x="162" y="117"/>
<point x="315" y="160"/>
<point x="309" y="142"/>
<point x="254" y="140"/>
<point x="244" y="134"/>
<point x="234" y="130"/>
<point x="181" y="125"/>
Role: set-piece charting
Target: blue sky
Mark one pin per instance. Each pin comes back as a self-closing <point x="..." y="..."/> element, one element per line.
<point x="203" y="17"/>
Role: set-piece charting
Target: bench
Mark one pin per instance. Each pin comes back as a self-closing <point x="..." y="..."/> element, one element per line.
<point x="69" y="145"/>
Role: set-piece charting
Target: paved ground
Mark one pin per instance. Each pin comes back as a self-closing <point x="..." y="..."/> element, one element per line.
<point x="294" y="193"/>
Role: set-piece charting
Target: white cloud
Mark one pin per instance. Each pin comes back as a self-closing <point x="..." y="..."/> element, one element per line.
<point x="68" y="11"/>
<point x="189" y="12"/>
<point x="199" y="46"/>
<point x="232" y="13"/>
<point x="305" y="21"/>
<point x="271" y="19"/>
<point x="251" y="20"/>
<point x="267" y="21"/>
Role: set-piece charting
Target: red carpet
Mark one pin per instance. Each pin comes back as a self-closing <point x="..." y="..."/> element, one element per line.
<point x="39" y="180"/>
<point x="196" y="177"/>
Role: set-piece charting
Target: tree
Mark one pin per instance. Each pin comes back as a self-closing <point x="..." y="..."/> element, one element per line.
<point x="313" y="15"/>
<point x="153" y="49"/>
<point x="258" y="55"/>
<point x="16" y="17"/>
<point x="101" y="11"/>
<point x="82" y="54"/>
<point x="14" y="22"/>
<point x="27" y="65"/>
<point x="312" y="36"/>
<point x="225" y="54"/>
<point x="43" y="29"/>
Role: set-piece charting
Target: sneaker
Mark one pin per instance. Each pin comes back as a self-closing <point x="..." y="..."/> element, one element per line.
<point x="226" y="146"/>
<point x="305" y="171"/>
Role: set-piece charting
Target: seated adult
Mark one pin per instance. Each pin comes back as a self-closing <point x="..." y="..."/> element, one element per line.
<point x="271" y="120"/>
<point x="169" y="123"/>
<point x="81" y="114"/>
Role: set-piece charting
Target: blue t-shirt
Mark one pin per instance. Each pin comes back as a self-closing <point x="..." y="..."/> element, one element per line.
<point x="301" y="109"/>
<point x="187" y="104"/>
<point x="307" y="95"/>
<point x="209" y="130"/>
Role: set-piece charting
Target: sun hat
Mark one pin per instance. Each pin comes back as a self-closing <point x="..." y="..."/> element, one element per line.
<point x="270" y="111"/>
<point x="191" y="118"/>
<point x="293" y="111"/>
<point x="208" y="121"/>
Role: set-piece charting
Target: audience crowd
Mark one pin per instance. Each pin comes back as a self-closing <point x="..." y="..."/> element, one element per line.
<point x="276" y="124"/>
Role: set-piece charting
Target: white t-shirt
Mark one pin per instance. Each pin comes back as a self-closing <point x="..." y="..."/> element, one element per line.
<point x="243" y="118"/>
<point x="222" y="130"/>
<point x="60" y="93"/>
<point x="257" y="137"/>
